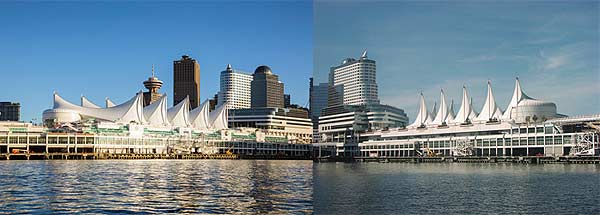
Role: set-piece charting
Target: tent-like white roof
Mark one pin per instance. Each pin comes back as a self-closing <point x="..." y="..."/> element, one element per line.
<point x="156" y="113"/>
<point x="432" y="114"/>
<point x="87" y="103"/>
<point x="451" y="114"/>
<point x="490" y="109"/>
<point x="466" y="109"/>
<point x="442" y="114"/>
<point x="423" y="115"/>
<point x="518" y="95"/>
<point x="109" y="103"/>
<point x="218" y="118"/>
<point x="199" y="116"/>
<point x="178" y="114"/>
<point x="130" y="111"/>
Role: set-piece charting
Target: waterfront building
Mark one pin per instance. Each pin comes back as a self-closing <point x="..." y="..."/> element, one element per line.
<point x="153" y="84"/>
<point x="133" y="112"/>
<point x="235" y="88"/>
<point x="16" y="127"/>
<point x="10" y="111"/>
<point x="527" y="127"/>
<point x="130" y="128"/>
<point x="266" y="89"/>
<point x="288" y="124"/>
<point x="344" y="122"/>
<point x="353" y="82"/>
<point x="186" y="81"/>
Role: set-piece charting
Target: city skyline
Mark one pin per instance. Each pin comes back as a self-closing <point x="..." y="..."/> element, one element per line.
<point x="427" y="46"/>
<point x="78" y="49"/>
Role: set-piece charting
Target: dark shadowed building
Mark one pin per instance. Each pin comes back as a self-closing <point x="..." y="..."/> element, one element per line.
<point x="186" y="81"/>
<point x="10" y="111"/>
<point x="266" y="89"/>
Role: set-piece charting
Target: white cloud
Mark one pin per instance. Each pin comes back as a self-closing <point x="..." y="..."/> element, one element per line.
<point x="556" y="61"/>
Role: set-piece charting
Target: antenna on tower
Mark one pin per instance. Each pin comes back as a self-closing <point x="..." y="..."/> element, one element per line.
<point x="153" y="70"/>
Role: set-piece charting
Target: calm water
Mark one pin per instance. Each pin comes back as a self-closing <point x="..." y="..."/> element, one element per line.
<point x="395" y="188"/>
<point x="156" y="186"/>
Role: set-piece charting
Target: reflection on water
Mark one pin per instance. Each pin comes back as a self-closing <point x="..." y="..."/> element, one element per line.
<point x="156" y="186"/>
<point x="397" y="188"/>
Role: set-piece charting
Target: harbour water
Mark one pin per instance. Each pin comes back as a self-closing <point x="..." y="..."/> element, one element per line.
<point x="156" y="186"/>
<point x="456" y="188"/>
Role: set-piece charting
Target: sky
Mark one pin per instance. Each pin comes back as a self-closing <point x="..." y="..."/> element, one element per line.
<point x="553" y="47"/>
<point x="107" y="49"/>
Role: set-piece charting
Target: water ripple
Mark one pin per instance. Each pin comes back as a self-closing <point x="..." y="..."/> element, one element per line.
<point x="156" y="187"/>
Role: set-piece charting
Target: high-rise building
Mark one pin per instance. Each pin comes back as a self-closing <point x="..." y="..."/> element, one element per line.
<point x="212" y="103"/>
<point x="353" y="105"/>
<point x="10" y="111"/>
<point x="353" y="82"/>
<point x="318" y="98"/>
<point x="287" y="100"/>
<point x="153" y="84"/>
<point x="266" y="89"/>
<point x="235" y="88"/>
<point x="186" y="81"/>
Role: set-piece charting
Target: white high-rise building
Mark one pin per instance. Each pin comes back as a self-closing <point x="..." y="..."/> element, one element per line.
<point x="354" y="82"/>
<point x="235" y="88"/>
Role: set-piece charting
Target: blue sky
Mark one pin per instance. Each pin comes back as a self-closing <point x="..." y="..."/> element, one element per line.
<point x="553" y="47"/>
<point x="107" y="49"/>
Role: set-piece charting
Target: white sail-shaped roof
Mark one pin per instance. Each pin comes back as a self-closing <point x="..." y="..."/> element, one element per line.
<point x="474" y="113"/>
<point x="451" y="113"/>
<point x="178" y="114"/>
<point x="442" y="114"/>
<point x="466" y="109"/>
<point x="130" y="111"/>
<point x="156" y="113"/>
<point x="87" y="103"/>
<point x="199" y="116"/>
<point x="432" y="114"/>
<point x="422" y="116"/>
<point x="109" y="103"/>
<point x="518" y="95"/>
<point x="490" y="110"/>
<point x="218" y="118"/>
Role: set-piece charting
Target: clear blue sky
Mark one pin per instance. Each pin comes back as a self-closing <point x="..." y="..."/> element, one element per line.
<point x="425" y="46"/>
<point x="106" y="49"/>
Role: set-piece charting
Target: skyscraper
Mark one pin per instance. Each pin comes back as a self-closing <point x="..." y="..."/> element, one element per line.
<point x="152" y="84"/>
<point x="318" y="98"/>
<point x="235" y="88"/>
<point x="10" y="111"/>
<point x="266" y="89"/>
<point x="186" y="81"/>
<point x="353" y="105"/>
<point x="353" y="82"/>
